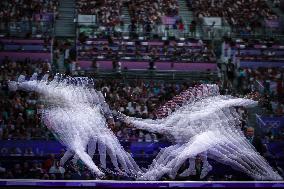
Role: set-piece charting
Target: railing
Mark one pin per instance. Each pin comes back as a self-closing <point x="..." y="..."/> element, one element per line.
<point x="215" y="32"/>
<point x="153" y="74"/>
<point x="167" y="31"/>
<point x="157" y="31"/>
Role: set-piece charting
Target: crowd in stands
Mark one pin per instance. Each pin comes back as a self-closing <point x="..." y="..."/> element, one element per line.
<point x="19" y="119"/>
<point x="269" y="81"/>
<point x="47" y="168"/>
<point x="146" y="12"/>
<point x="107" y="11"/>
<point x="142" y="12"/>
<point x="25" y="10"/>
<point x="266" y="84"/>
<point x="241" y="14"/>
<point x="266" y="80"/>
<point x="27" y="17"/>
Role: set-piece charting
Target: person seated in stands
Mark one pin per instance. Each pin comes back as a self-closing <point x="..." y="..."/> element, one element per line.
<point x="239" y="14"/>
<point x="57" y="169"/>
<point x="151" y="64"/>
<point x="95" y="64"/>
<point x="254" y="140"/>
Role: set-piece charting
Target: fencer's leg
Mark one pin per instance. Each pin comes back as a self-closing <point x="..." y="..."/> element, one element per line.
<point x="191" y="168"/>
<point x="188" y="150"/>
<point x="132" y="163"/>
<point x="122" y="162"/>
<point x="172" y="174"/>
<point x="68" y="154"/>
<point x="75" y="159"/>
<point x="91" y="151"/>
<point x="89" y="162"/>
<point x="112" y="155"/>
<point x="92" y="147"/>
<point x="206" y="166"/>
<point x="162" y="156"/>
<point x="102" y="151"/>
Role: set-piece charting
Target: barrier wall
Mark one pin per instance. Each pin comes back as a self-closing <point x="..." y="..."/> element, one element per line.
<point x="254" y="64"/>
<point x="21" y="55"/>
<point x="138" y="184"/>
<point x="43" y="147"/>
<point x="107" y="65"/>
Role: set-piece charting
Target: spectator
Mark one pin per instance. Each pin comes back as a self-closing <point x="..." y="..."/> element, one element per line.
<point x="56" y="168"/>
<point x="239" y="14"/>
<point x="254" y="140"/>
<point x="107" y="12"/>
<point x="144" y="12"/>
<point x="49" y="162"/>
<point x="192" y="28"/>
<point x="23" y="13"/>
